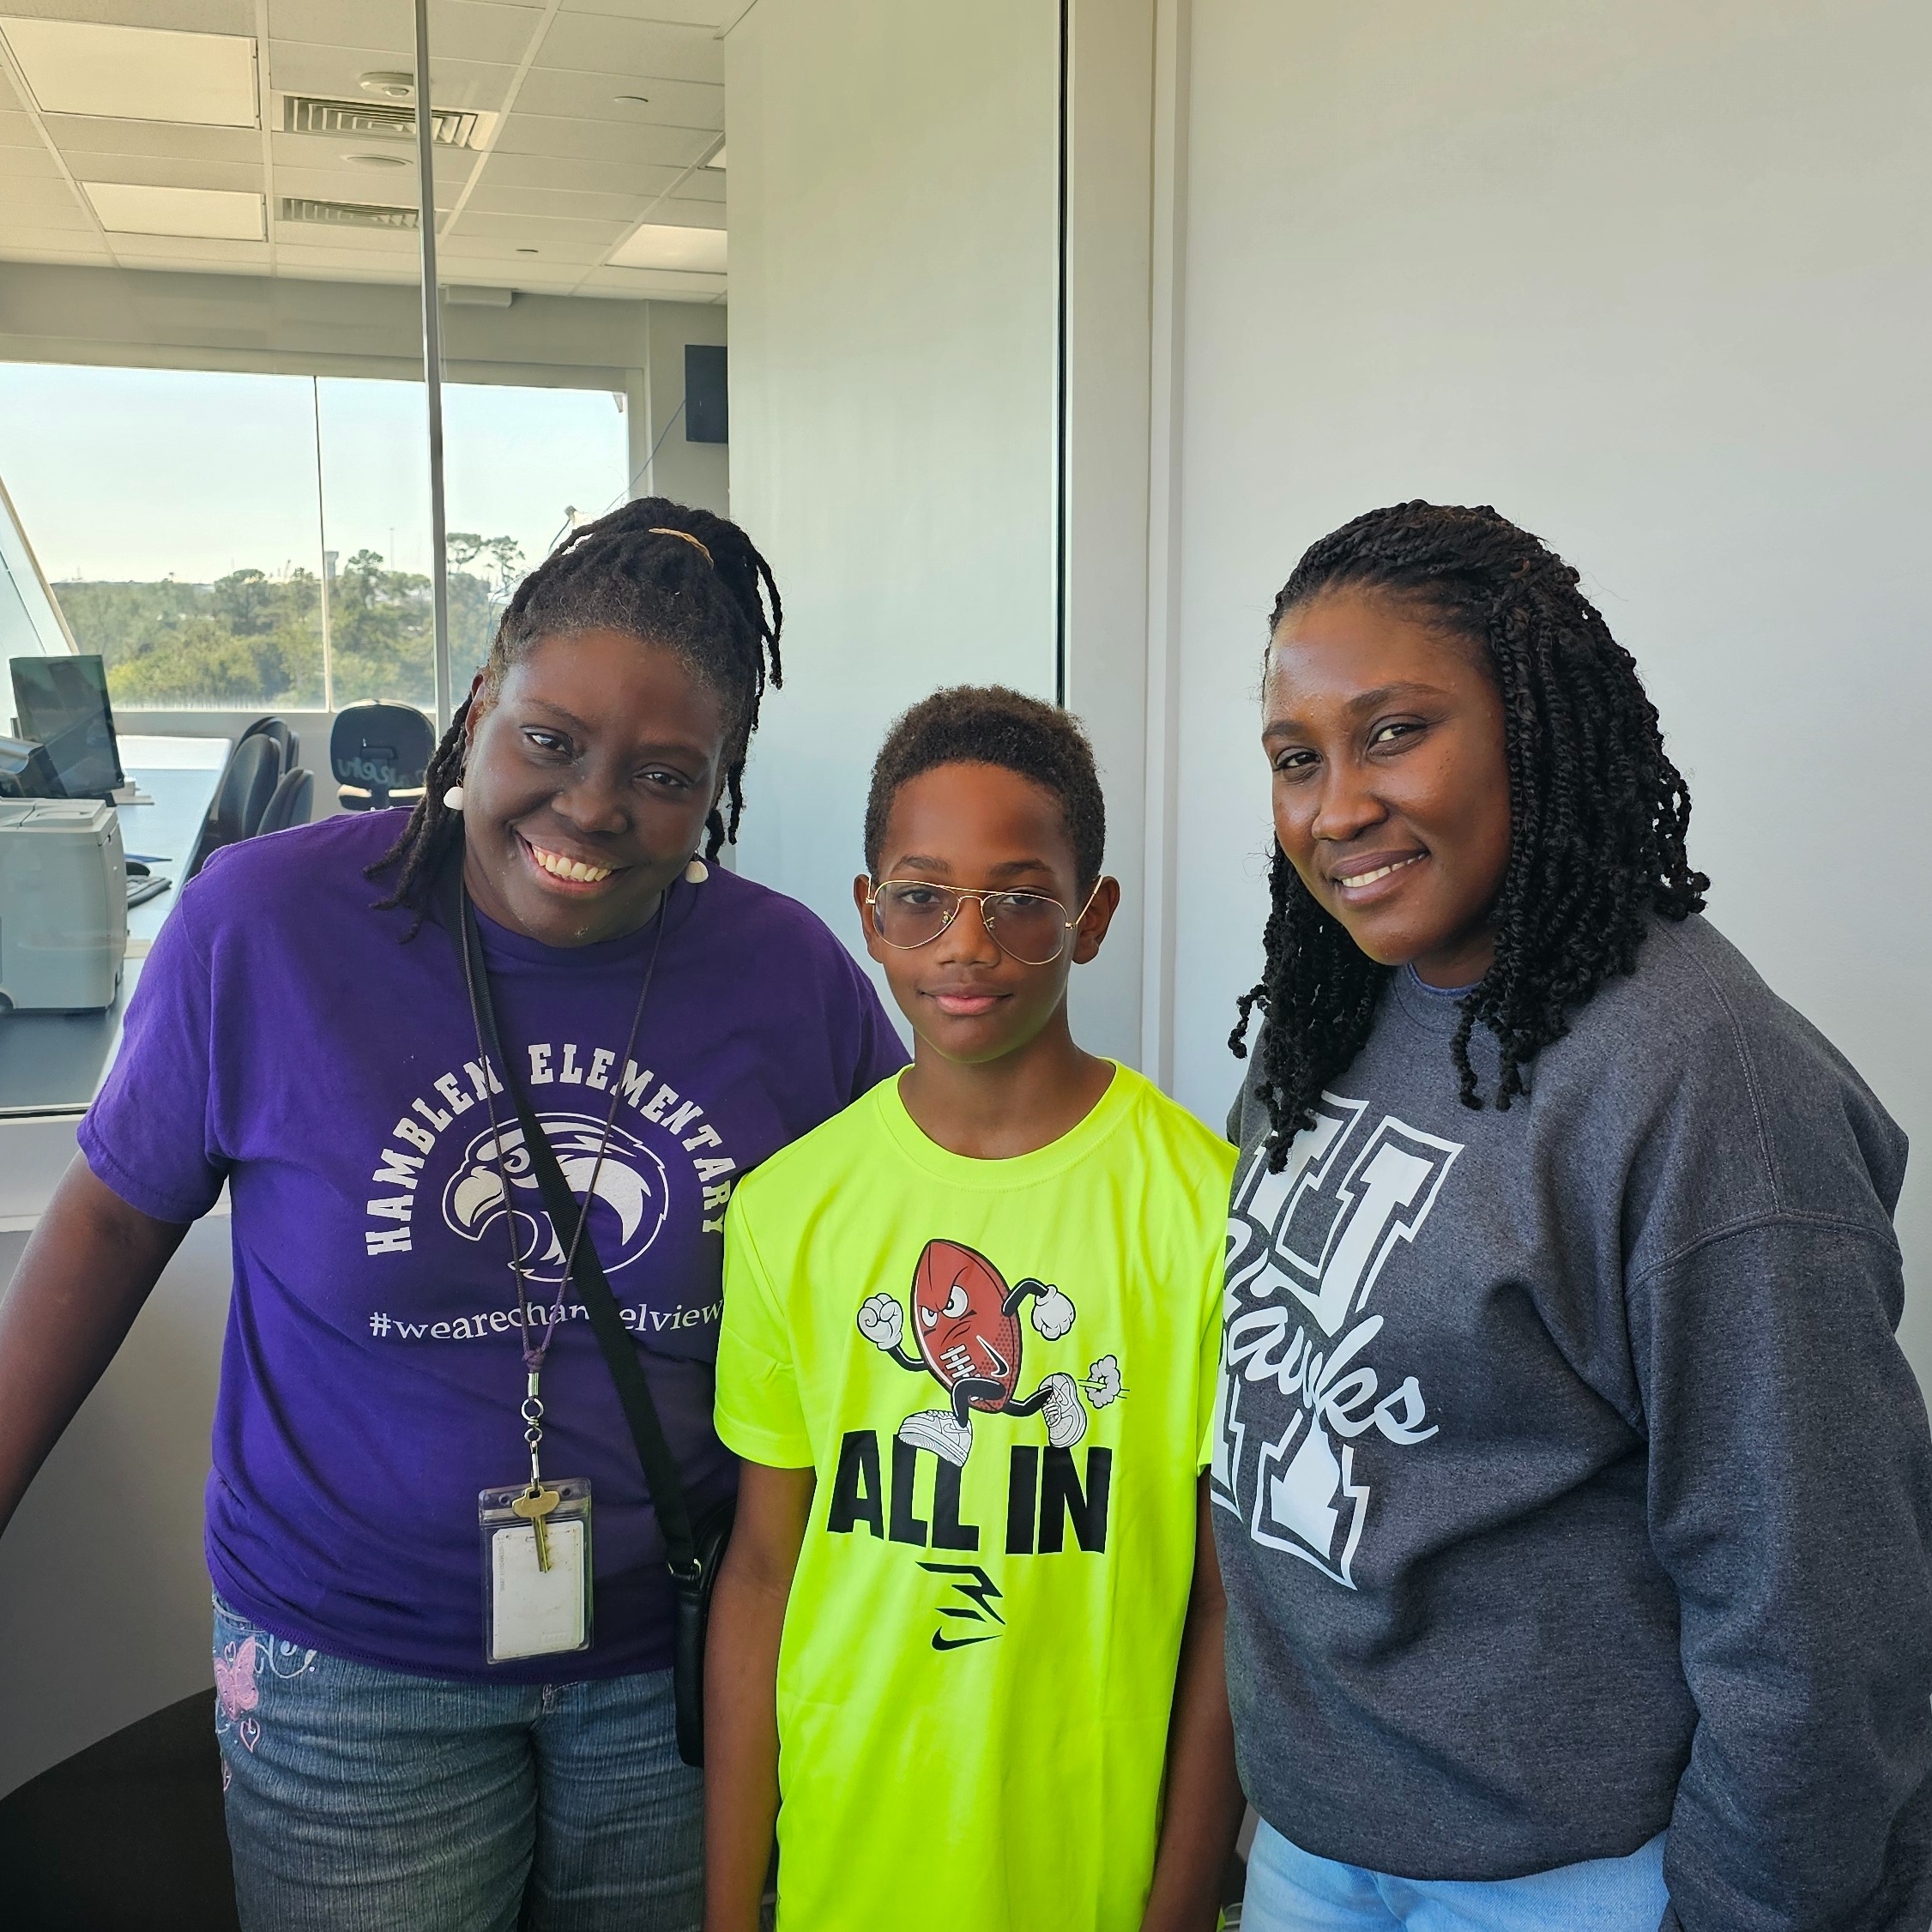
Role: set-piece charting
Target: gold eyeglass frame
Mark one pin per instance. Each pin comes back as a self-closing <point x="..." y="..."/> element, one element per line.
<point x="981" y="894"/>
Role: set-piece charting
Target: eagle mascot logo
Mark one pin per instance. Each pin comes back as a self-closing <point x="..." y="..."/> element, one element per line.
<point x="628" y="1191"/>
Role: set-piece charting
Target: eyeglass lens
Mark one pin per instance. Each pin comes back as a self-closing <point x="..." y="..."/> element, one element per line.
<point x="1028" y="926"/>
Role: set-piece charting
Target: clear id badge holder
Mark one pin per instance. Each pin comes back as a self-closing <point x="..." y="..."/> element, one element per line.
<point x="536" y="1568"/>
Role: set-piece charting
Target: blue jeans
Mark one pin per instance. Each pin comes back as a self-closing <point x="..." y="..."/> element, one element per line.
<point x="361" y="1799"/>
<point x="1290" y="1890"/>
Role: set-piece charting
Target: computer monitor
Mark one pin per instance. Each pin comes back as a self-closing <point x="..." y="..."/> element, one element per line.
<point x="63" y="702"/>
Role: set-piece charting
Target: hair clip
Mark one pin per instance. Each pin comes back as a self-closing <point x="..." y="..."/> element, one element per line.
<point x="659" y="530"/>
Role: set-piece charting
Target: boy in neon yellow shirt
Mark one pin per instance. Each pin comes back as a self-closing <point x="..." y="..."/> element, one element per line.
<point x="970" y="1626"/>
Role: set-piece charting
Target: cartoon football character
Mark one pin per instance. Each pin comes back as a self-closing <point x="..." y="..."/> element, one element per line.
<point x="966" y="1323"/>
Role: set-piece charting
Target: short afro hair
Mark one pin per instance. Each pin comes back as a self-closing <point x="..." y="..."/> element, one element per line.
<point x="989" y="724"/>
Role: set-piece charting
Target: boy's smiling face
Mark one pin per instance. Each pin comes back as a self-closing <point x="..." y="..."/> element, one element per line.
<point x="983" y="828"/>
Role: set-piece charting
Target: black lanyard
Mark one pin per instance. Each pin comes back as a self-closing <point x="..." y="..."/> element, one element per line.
<point x="586" y="1273"/>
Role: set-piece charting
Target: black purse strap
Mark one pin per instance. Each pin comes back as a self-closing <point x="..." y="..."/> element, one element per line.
<point x="661" y="1479"/>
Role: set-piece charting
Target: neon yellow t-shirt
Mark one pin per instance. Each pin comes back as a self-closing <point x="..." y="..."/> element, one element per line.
<point x="1003" y="1372"/>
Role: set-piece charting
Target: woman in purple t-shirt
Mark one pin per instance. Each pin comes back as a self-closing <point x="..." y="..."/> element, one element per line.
<point x="431" y="1714"/>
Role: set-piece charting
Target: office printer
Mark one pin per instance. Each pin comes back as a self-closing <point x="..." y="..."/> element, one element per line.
<point x="63" y="905"/>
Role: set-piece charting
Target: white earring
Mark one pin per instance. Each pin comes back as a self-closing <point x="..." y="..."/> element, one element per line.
<point x="697" y="872"/>
<point x="453" y="798"/>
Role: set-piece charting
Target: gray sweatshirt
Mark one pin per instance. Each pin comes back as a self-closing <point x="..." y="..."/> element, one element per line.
<point x="1571" y="1482"/>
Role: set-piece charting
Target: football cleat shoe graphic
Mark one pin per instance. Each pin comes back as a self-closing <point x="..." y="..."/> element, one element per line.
<point x="1066" y="1421"/>
<point x="936" y="1430"/>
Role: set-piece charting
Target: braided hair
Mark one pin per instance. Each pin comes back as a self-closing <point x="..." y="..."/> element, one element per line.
<point x="713" y="601"/>
<point x="1597" y="811"/>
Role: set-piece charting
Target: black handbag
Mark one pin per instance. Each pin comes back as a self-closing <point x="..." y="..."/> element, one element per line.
<point x="694" y="1548"/>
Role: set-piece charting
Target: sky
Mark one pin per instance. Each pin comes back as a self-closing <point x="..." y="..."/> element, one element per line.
<point x="143" y="474"/>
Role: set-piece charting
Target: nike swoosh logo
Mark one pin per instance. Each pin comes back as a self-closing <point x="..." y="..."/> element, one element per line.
<point x="998" y="1360"/>
<point x="942" y="1643"/>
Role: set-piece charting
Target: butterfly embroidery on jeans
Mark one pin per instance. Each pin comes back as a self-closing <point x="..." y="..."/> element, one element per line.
<point x="235" y="1691"/>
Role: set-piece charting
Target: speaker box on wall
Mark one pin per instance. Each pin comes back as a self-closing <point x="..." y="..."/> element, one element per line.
<point x="706" y="409"/>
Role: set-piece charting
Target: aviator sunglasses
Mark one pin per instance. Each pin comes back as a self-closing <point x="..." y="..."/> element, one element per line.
<point x="1029" y="927"/>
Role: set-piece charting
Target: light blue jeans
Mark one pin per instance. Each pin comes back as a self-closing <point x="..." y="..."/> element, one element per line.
<point x="1290" y="1890"/>
<point x="361" y="1799"/>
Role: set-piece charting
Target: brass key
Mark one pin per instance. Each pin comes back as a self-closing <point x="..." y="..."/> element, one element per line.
<point x="533" y="1506"/>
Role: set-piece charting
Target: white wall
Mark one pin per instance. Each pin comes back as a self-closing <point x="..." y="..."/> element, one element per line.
<point x="1653" y="279"/>
<point x="686" y="472"/>
<point x="894" y="244"/>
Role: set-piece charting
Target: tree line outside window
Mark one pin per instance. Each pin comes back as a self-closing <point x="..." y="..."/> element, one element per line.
<point x="251" y="637"/>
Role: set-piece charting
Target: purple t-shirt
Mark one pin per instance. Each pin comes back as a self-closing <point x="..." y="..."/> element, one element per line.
<point x="284" y="1040"/>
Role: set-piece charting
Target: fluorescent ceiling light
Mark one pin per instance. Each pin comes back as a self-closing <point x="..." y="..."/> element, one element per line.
<point x="657" y="246"/>
<point x="136" y="73"/>
<point x="127" y="208"/>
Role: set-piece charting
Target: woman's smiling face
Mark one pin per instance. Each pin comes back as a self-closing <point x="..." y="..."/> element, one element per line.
<point x="1390" y="785"/>
<point x="586" y="785"/>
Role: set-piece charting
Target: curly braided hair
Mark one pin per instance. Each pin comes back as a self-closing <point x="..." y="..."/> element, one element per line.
<point x="992" y="724"/>
<point x="630" y="572"/>
<point x="1598" y="812"/>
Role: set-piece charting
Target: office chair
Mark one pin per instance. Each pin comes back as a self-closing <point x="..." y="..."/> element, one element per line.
<point x="379" y="754"/>
<point x="293" y="800"/>
<point x="248" y="782"/>
<point x="125" y="1836"/>
<point x="287" y="741"/>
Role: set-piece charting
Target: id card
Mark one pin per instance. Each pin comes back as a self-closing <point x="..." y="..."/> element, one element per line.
<point x="536" y="1569"/>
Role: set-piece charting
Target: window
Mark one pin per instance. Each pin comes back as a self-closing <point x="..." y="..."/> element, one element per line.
<point x="236" y="541"/>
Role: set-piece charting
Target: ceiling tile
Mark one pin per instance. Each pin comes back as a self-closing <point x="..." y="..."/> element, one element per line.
<point x="298" y="243"/>
<point x="554" y="249"/>
<point x="311" y="151"/>
<point x="176" y="250"/>
<point x="707" y="188"/>
<point x="308" y="67"/>
<point x="56" y="247"/>
<point x="89" y="67"/>
<point x="655" y="245"/>
<point x="86" y="133"/>
<point x="386" y="26"/>
<point x="607" y="96"/>
<point x="675" y="211"/>
<point x="187" y="16"/>
<point x="601" y="44"/>
<point x="18" y="135"/>
<point x="496" y="196"/>
<point x="42" y="204"/>
<point x="305" y="170"/>
<point x="145" y="171"/>
<point x="713" y="13"/>
<point x="602" y="141"/>
<point x="539" y="229"/>
<point x="147" y="210"/>
<point x="641" y="181"/>
<point x="661" y="282"/>
<point x="492" y="263"/>
<point x="319" y="264"/>
<point x="365" y="244"/>
<point x="470" y="30"/>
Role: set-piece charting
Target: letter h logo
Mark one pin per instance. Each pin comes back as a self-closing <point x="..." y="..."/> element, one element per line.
<point x="1306" y="1248"/>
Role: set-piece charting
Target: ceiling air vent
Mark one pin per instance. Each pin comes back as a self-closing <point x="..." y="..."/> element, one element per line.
<point x="346" y="214"/>
<point x="381" y="120"/>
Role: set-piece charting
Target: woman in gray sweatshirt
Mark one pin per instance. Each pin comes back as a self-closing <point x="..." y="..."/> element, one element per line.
<point x="1575" y="1496"/>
